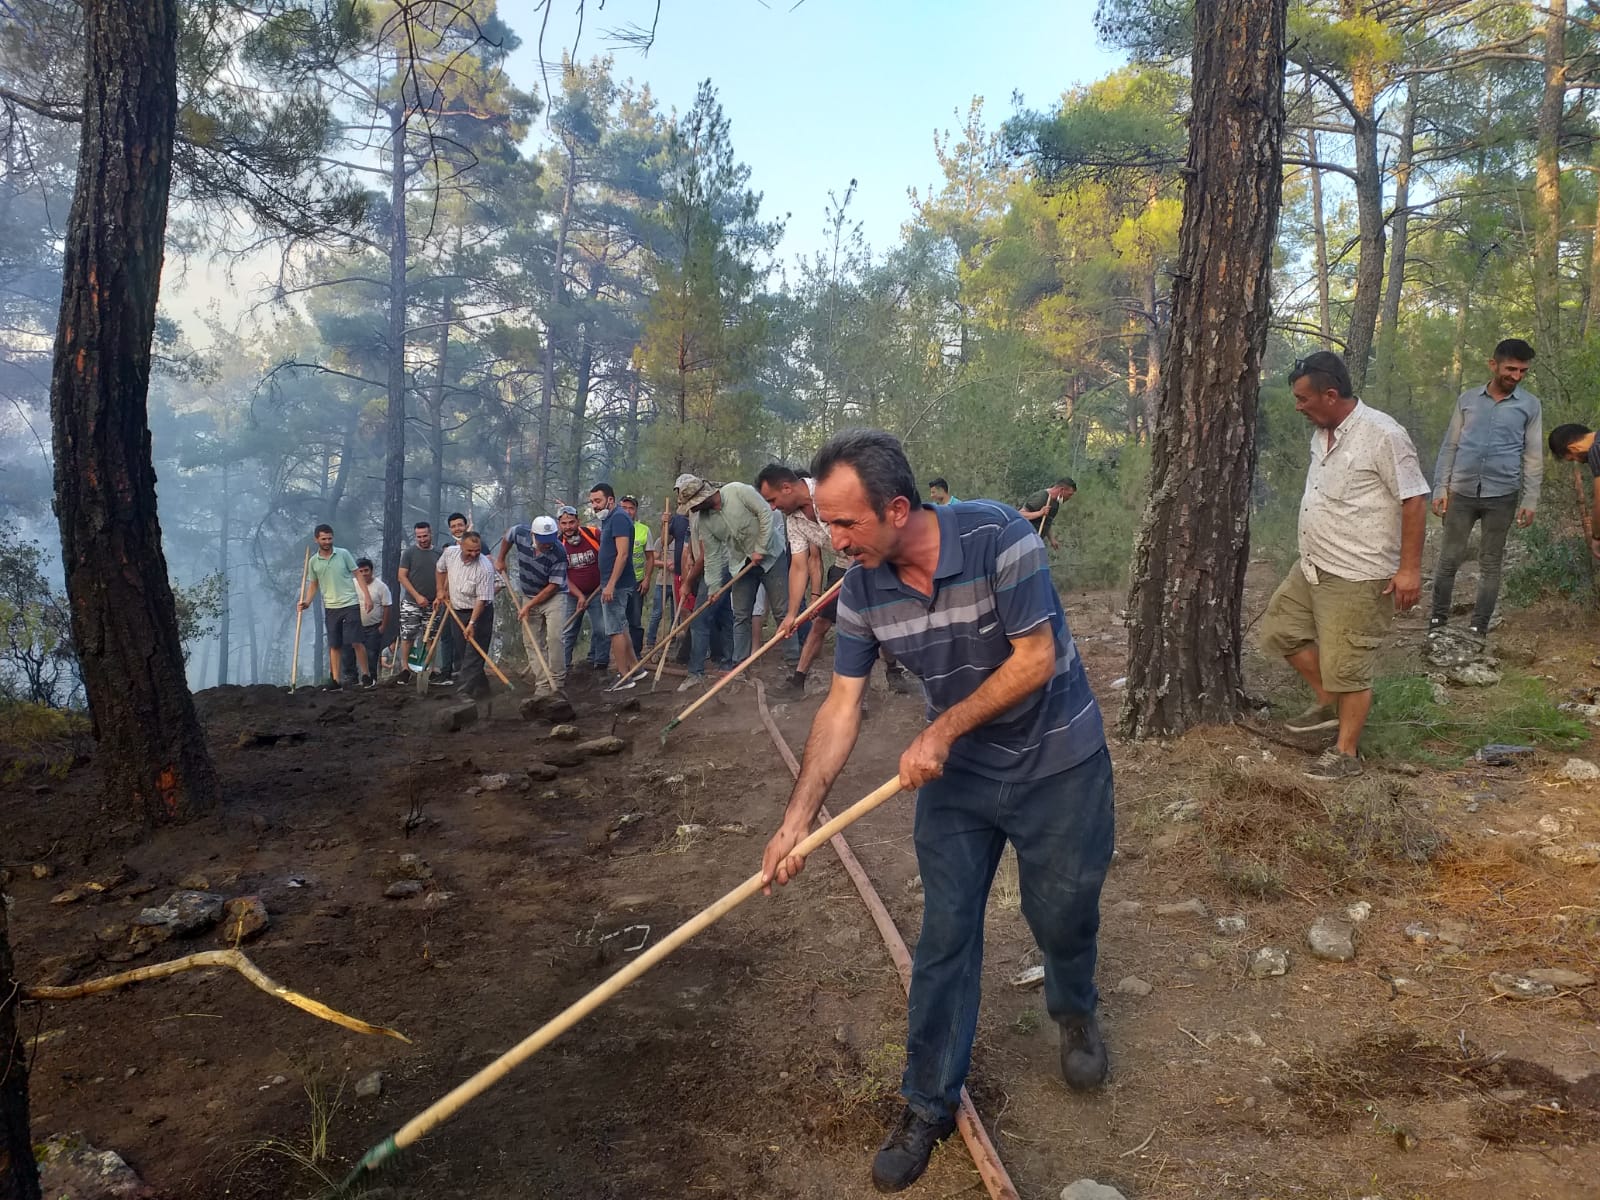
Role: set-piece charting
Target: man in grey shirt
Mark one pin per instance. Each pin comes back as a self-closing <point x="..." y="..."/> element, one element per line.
<point x="1492" y="452"/>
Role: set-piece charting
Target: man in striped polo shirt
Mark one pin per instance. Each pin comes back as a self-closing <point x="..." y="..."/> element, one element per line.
<point x="1014" y="750"/>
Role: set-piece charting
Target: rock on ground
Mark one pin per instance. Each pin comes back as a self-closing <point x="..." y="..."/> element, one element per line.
<point x="184" y="914"/>
<point x="601" y="745"/>
<point x="71" y="1169"/>
<point x="1267" y="962"/>
<point x="1474" y="674"/>
<point x="1187" y="907"/>
<point x="555" y="709"/>
<point x="1559" y="977"/>
<point x="403" y="889"/>
<point x="1332" y="939"/>
<point x="1520" y="987"/>
<point x="453" y="720"/>
<point x="243" y="918"/>
<point x="369" y="1086"/>
<point x="1132" y="985"/>
<point x="1580" y="770"/>
<point x="1088" y="1189"/>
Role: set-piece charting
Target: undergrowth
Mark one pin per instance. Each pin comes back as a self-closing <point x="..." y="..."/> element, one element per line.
<point x="38" y="737"/>
<point x="1408" y="724"/>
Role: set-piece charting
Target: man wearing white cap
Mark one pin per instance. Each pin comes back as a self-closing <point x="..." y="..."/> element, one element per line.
<point x="734" y="523"/>
<point x="542" y="580"/>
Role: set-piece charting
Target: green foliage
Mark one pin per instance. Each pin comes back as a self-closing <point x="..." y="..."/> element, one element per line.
<point x="1552" y="565"/>
<point x="199" y="608"/>
<point x="1407" y="724"/>
<point x="37" y="665"/>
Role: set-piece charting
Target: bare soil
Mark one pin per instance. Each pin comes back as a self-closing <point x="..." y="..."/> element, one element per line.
<point x="763" y="1059"/>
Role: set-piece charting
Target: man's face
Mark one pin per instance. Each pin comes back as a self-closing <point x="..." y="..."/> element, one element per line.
<point x="1324" y="408"/>
<point x="567" y="523"/>
<point x="1064" y="494"/>
<point x="471" y="550"/>
<point x="631" y="508"/>
<point x="784" y="498"/>
<point x="458" y="527"/>
<point x="601" y="503"/>
<point x="1507" y="374"/>
<point x="939" y="495"/>
<point x="424" y="537"/>
<point x="325" y="542"/>
<point x="857" y="531"/>
<point x="364" y="574"/>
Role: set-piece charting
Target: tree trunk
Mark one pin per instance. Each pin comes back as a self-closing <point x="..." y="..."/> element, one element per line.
<point x="394" y="462"/>
<point x="1592" y="290"/>
<point x="558" y="296"/>
<point x="1369" y="219"/>
<point x="152" y="751"/>
<point x="250" y="626"/>
<point x="19" y="1176"/>
<point x="1185" y="639"/>
<point x="224" y="625"/>
<point x="1547" y="186"/>
<point x="580" y="408"/>
<point x="1390" y="322"/>
<point x="1319" y="236"/>
<point x="436" y="432"/>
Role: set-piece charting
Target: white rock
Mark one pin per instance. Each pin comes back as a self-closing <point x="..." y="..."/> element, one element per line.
<point x="1332" y="939"/>
<point x="1028" y="977"/>
<point x="1126" y="908"/>
<point x="1181" y="810"/>
<point x="1186" y="908"/>
<point x="1118" y="684"/>
<point x="1585" y="855"/>
<point x="1132" y="985"/>
<point x="1560" y="977"/>
<point x="1549" y="824"/>
<point x="1088" y="1189"/>
<point x="1267" y="962"/>
<point x="1520" y="987"/>
<point x="1358" y="912"/>
<point x="1230" y="926"/>
<point x="369" y="1086"/>
<point x="494" y="783"/>
<point x="1580" y="770"/>
<point x="1406" y="986"/>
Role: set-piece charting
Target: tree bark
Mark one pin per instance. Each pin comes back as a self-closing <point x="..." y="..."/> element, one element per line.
<point x="394" y="462"/>
<point x="580" y="411"/>
<point x="1369" y="220"/>
<point x="225" y="625"/>
<point x="558" y="299"/>
<point x="152" y="751"/>
<point x="1319" y="237"/>
<point x="1547" y="184"/>
<point x="1401" y="225"/>
<point x="1185" y="639"/>
<point x="19" y="1175"/>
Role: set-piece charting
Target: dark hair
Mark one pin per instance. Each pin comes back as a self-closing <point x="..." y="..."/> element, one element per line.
<point x="1066" y="481"/>
<point x="422" y="525"/>
<point x="363" y="562"/>
<point x="454" y="517"/>
<point x="633" y="500"/>
<point x="775" y="475"/>
<point x="1562" y="437"/>
<point x="938" y="481"/>
<point x="1325" y="369"/>
<point x="1513" y="350"/>
<point x="472" y="535"/>
<point x="321" y="529"/>
<point x="605" y="489"/>
<point x="877" y="458"/>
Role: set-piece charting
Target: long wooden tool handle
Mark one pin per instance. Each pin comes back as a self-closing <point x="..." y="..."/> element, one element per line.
<point x="689" y="620"/>
<point x="467" y="633"/>
<point x="674" y="609"/>
<point x="299" y="615"/>
<point x="821" y="602"/>
<point x="453" y="1101"/>
<point x="538" y="652"/>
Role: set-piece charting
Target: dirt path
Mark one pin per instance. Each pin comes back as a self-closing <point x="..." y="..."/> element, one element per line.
<point x="763" y="1060"/>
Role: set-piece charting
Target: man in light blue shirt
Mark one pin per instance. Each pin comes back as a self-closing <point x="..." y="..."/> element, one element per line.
<point x="1492" y="452"/>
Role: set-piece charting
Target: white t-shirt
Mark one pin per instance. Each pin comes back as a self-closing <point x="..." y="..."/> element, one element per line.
<point x="1350" y="513"/>
<point x="381" y="599"/>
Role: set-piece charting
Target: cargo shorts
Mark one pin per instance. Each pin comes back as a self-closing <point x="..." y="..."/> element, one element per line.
<point x="1346" y="619"/>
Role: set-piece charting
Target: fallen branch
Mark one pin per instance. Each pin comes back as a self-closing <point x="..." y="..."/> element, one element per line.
<point x="231" y="957"/>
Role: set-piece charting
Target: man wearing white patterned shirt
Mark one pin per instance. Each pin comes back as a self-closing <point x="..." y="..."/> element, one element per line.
<point x="466" y="582"/>
<point x="1362" y="520"/>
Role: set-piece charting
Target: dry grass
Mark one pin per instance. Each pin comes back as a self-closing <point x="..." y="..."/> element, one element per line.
<point x="1264" y="826"/>
<point x="1521" y="903"/>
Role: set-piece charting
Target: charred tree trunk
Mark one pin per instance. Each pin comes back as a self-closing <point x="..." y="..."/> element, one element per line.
<point x="1547" y="185"/>
<point x="558" y="296"/>
<point x="394" y="460"/>
<point x="19" y="1175"/>
<point x="580" y="414"/>
<point x="152" y="750"/>
<point x="225" y="625"/>
<point x="1185" y="640"/>
<point x="1319" y="236"/>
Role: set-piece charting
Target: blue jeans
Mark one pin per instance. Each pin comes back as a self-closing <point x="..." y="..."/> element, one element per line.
<point x="636" y="620"/>
<point x="1062" y="828"/>
<point x="716" y="625"/>
<point x="658" y="606"/>
<point x="599" y="646"/>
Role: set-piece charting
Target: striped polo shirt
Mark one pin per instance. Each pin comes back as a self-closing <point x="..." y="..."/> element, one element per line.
<point x="992" y="583"/>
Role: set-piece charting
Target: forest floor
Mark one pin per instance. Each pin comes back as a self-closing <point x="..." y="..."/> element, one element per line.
<point x="762" y="1060"/>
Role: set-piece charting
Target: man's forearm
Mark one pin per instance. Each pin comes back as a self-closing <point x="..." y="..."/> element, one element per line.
<point x="797" y="585"/>
<point x="1029" y="668"/>
<point x="1413" y="526"/>
<point x="833" y="737"/>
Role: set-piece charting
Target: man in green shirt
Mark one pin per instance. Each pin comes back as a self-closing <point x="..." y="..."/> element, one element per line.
<point x="344" y="594"/>
<point x="1041" y="507"/>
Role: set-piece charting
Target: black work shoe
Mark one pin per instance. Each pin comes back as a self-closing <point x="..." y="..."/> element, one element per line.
<point x="904" y="1155"/>
<point x="795" y="683"/>
<point x="1084" y="1064"/>
<point x="333" y="685"/>
<point x="368" y="682"/>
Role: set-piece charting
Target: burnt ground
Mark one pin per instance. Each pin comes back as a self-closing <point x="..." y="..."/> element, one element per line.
<point x="763" y="1059"/>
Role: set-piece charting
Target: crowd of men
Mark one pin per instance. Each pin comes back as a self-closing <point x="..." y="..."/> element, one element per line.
<point x="959" y="594"/>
